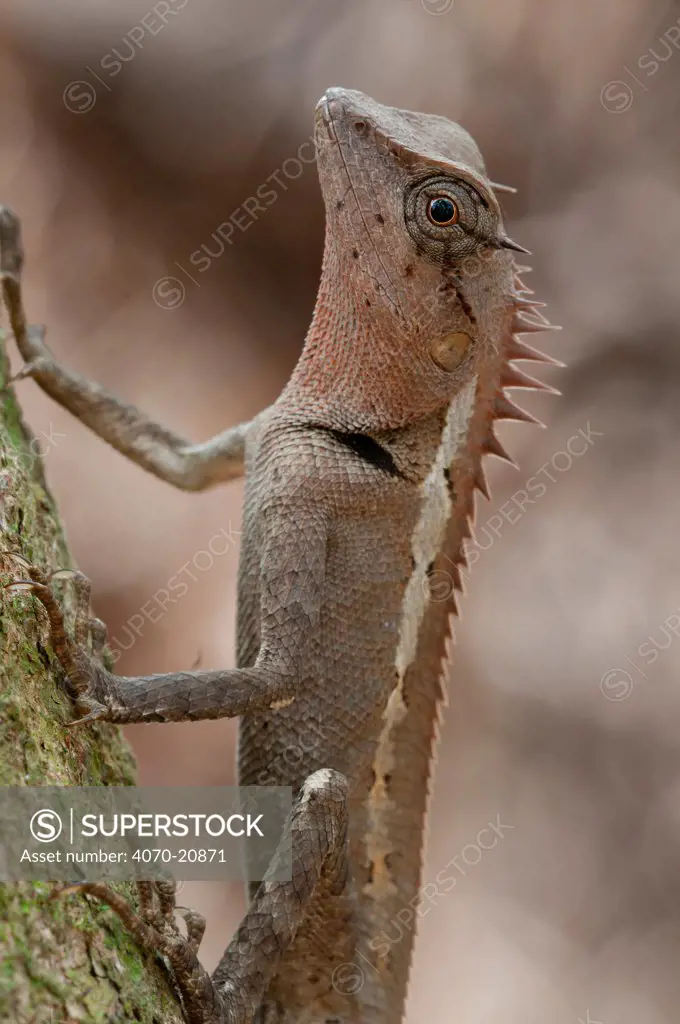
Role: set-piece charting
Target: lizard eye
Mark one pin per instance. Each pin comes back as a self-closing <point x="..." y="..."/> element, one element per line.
<point x="447" y="217"/>
<point x="442" y="211"/>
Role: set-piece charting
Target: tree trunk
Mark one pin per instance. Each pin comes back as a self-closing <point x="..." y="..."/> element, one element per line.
<point x="67" y="959"/>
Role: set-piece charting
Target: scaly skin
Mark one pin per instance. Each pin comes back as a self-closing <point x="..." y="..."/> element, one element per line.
<point x="360" y="484"/>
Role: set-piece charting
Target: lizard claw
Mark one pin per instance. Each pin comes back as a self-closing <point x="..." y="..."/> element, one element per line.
<point x="18" y="585"/>
<point x="65" y="574"/>
<point x="35" y="351"/>
<point x="37" y="578"/>
<point x="92" y="716"/>
<point x="30" y="586"/>
<point x="195" y="925"/>
<point x="17" y="558"/>
<point x="29" y="369"/>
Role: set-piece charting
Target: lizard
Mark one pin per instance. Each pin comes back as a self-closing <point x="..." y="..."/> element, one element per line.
<point x="360" y="494"/>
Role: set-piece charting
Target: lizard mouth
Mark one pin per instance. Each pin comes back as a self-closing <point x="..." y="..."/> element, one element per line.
<point x="321" y="109"/>
<point x="324" y="120"/>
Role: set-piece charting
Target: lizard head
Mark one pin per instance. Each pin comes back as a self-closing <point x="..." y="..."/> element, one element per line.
<point x="417" y="295"/>
<point x="415" y="243"/>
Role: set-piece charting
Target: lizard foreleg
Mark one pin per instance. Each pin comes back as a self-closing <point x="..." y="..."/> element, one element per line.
<point x="191" y="467"/>
<point x="288" y="617"/>
<point x="167" y="697"/>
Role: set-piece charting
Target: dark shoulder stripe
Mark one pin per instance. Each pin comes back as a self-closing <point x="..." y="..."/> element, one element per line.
<point x="367" y="449"/>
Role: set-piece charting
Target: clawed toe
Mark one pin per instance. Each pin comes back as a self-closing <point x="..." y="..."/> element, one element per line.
<point x="156" y="931"/>
<point x="17" y="558"/>
<point x="29" y="369"/>
<point x="40" y="590"/>
<point x="96" y="712"/>
<point x="37" y="583"/>
<point x="40" y="358"/>
<point x="23" y="585"/>
<point x="72" y="652"/>
<point x="67" y="574"/>
<point x="34" y="574"/>
<point x="195" y="925"/>
<point x="98" y="635"/>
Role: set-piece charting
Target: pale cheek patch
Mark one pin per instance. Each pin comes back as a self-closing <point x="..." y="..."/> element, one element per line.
<point x="427" y="539"/>
<point x="448" y="352"/>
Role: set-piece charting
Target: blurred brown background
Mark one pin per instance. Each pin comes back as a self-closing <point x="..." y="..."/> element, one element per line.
<point x="129" y="135"/>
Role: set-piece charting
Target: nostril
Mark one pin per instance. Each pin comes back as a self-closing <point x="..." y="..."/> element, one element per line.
<point x="360" y="127"/>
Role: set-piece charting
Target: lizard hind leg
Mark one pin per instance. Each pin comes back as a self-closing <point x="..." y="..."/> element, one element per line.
<point x="316" y="836"/>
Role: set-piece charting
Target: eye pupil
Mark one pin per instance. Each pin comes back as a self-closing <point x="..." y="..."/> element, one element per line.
<point x="442" y="211"/>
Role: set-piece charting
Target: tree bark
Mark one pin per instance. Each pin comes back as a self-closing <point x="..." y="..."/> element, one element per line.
<point x="68" y="959"/>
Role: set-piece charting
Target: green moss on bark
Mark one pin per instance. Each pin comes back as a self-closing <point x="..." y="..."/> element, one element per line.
<point x="67" y="959"/>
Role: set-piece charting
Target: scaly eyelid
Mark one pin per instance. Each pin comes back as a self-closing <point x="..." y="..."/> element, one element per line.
<point x="462" y="174"/>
